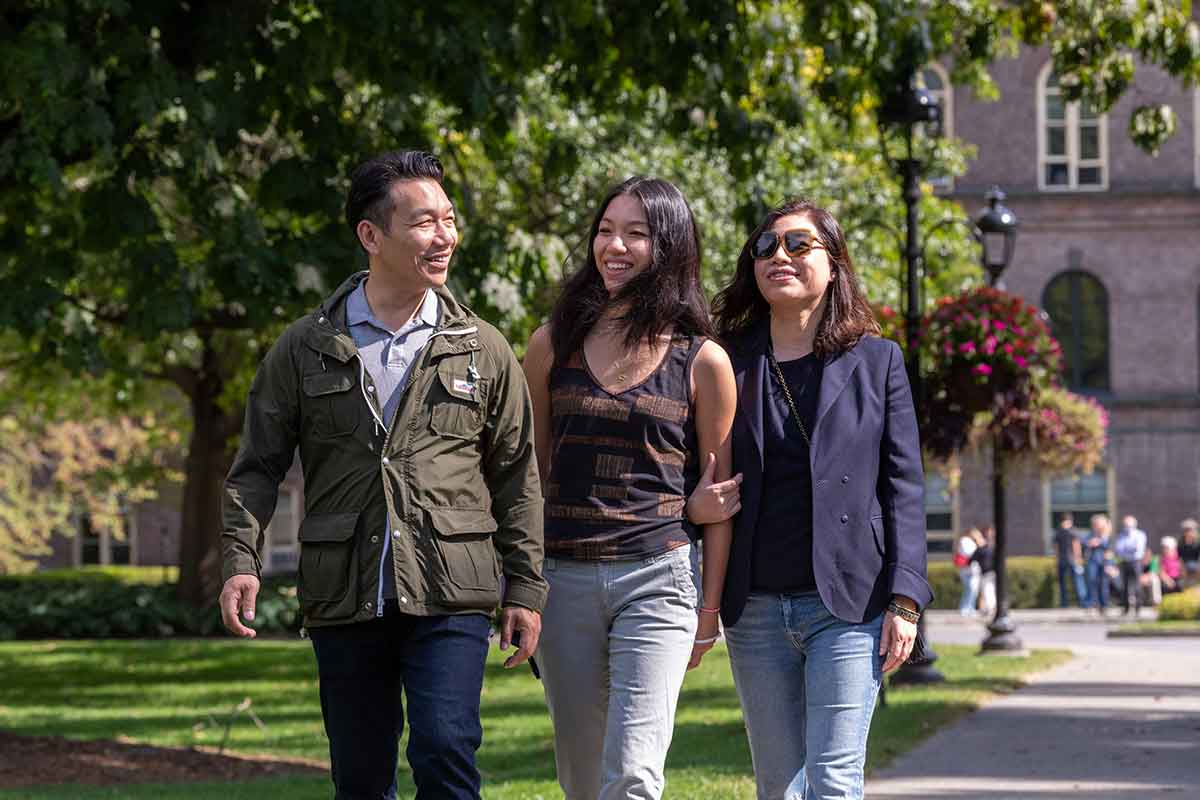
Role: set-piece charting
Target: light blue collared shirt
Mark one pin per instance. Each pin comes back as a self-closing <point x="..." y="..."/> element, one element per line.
<point x="389" y="355"/>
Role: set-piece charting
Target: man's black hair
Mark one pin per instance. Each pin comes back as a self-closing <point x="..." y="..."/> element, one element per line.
<point x="371" y="182"/>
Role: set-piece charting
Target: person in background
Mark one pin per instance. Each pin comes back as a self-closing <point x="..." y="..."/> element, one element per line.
<point x="1069" y="554"/>
<point x="1130" y="550"/>
<point x="968" y="572"/>
<point x="1170" y="566"/>
<point x="1096" y="549"/>
<point x="1189" y="549"/>
<point x="1149" y="585"/>
<point x="985" y="557"/>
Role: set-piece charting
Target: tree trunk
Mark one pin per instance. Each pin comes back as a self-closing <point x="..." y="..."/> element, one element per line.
<point x="209" y="457"/>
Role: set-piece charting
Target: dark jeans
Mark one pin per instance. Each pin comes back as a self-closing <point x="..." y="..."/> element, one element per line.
<point x="1131" y="590"/>
<point x="1067" y="572"/>
<point x="438" y="664"/>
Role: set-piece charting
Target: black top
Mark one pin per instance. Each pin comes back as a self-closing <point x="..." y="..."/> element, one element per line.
<point x="1064" y="541"/>
<point x="622" y="464"/>
<point x="985" y="556"/>
<point x="1189" y="552"/>
<point x="784" y="537"/>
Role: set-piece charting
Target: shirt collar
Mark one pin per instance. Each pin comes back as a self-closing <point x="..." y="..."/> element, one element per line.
<point x="358" y="310"/>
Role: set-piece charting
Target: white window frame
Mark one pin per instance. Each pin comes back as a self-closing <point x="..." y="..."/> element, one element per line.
<point x="1071" y="125"/>
<point x="945" y="99"/>
<point x="283" y="542"/>
<point x="1081" y="522"/>
<point x="1196" y="135"/>
<point x="948" y="535"/>
<point x="106" y="541"/>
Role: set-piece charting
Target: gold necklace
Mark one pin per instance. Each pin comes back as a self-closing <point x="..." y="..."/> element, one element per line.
<point x="787" y="393"/>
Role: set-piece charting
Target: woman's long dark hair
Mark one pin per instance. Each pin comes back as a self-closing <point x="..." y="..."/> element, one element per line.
<point x="667" y="294"/>
<point x="847" y="316"/>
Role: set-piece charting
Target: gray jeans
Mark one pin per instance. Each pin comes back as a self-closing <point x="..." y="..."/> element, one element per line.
<point x="616" y="638"/>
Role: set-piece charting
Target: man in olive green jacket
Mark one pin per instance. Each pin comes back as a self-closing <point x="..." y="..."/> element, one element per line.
<point x="415" y="433"/>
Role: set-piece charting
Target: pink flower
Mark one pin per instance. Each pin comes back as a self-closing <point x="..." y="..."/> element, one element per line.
<point x="983" y="323"/>
<point x="989" y="345"/>
<point x="966" y="347"/>
<point x="999" y="325"/>
<point x="1018" y="330"/>
<point x="1008" y="348"/>
<point x="1020" y="362"/>
<point x="982" y="369"/>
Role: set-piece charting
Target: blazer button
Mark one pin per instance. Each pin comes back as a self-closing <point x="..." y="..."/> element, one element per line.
<point x="845" y="518"/>
<point x="845" y="479"/>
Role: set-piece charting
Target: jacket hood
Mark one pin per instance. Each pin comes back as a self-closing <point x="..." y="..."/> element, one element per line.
<point x="334" y="306"/>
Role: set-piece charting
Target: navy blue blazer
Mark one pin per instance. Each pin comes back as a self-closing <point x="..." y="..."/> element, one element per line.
<point x="868" y="483"/>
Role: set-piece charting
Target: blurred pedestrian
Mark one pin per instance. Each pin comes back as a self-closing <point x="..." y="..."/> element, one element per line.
<point x="1069" y="554"/>
<point x="968" y="572"/>
<point x="1189" y="549"/>
<point x="1096" y="549"/>
<point x="985" y="557"/>
<point x="1130" y="549"/>
<point x="1170" y="566"/>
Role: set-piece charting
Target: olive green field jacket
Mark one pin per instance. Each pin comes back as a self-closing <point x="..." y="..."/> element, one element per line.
<point x="452" y="481"/>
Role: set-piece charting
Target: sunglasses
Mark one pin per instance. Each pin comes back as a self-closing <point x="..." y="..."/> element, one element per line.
<point x="796" y="243"/>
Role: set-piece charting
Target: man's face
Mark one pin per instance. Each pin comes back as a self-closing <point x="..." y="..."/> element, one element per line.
<point x="417" y="246"/>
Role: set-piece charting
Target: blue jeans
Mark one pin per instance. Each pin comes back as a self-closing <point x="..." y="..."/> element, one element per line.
<point x="1097" y="581"/>
<point x="808" y="683"/>
<point x="438" y="663"/>
<point x="1068" y="573"/>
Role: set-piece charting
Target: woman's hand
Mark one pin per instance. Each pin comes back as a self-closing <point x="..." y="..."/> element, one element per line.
<point x="714" y="502"/>
<point x="707" y="631"/>
<point x="896" y="643"/>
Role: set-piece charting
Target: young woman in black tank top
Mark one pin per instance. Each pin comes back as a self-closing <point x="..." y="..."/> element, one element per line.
<point x="630" y="395"/>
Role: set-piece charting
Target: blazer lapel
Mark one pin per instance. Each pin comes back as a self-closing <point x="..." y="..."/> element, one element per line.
<point x="751" y="385"/>
<point x="834" y="377"/>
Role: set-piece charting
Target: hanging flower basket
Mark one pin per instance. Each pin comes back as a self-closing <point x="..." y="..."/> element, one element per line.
<point x="1064" y="431"/>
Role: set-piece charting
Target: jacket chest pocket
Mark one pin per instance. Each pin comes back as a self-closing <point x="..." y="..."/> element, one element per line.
<point x="456" y="400"/>
<point x="331" y="405"/>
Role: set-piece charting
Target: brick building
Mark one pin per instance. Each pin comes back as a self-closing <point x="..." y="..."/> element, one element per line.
<point x="1109" y="246"/>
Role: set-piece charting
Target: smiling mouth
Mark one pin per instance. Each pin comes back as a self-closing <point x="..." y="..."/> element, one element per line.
<point x="618" y="266"/>
<point x="782" y="274"/>
<point x="440" y="260"/>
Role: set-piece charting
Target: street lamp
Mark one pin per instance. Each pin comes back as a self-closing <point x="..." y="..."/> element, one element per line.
<point x="997" y="227"/>
<point x="912" y="108"/>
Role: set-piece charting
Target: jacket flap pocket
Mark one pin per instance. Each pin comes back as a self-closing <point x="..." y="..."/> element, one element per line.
<point x="457" y="380"/>
<point x="332" y="527"/>
<point x="326" y="383"/>
<point x="462" y="521"/>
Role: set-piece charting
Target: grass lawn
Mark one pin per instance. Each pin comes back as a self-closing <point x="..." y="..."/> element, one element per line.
<point x="156" y="691"/>
<point x="1173" y="627"/>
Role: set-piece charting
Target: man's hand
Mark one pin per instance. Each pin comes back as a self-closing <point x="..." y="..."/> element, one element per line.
<point x="529" y="623"/>
<point x="899" y="634"/>
<point x="238" y="595"/>
<point x="714" y="502"/>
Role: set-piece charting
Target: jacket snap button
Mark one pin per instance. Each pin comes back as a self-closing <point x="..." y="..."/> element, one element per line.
<point x="845" y="518"/>
<point x="374" y="539"/>
<point x="367" y="605"/>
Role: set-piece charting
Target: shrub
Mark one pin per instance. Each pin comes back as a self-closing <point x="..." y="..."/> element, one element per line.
<point x="103" y="603"/>
<point x="1182" y="605"/>
<point x="1031" y="582"/>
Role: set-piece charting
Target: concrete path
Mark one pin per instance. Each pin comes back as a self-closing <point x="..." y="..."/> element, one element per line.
<point x="1121" y="721"/>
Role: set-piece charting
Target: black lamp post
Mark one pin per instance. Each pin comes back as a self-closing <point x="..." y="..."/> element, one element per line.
<point x="997" y="227"/>
<point x="907" y="108"/>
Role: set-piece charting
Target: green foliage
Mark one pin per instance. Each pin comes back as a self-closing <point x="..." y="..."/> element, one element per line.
<point x="124" y="603"/>
<point x="1031" y="582"/>
<point x="1181" y="605"/>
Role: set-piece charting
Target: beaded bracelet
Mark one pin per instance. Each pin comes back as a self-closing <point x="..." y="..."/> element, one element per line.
<point x="904" y="613"/>
<point x="704" y="610"/>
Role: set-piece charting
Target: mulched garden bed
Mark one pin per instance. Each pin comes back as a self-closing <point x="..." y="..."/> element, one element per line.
<point x="41" y="760"/>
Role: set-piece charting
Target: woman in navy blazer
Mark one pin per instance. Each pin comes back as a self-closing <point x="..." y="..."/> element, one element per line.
<point x="827" y="571"/>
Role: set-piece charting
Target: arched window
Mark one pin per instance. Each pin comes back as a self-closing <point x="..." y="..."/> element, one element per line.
<point x="1077" y="303"/>
<point x="1072" y="140"/>
<point x="935" y="80"/>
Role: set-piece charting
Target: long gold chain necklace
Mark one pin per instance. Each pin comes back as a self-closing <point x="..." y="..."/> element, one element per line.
<point x="787" y="393"/>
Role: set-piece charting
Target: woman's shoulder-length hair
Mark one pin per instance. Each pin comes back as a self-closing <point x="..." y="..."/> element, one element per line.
<point x="667" y="295"/>
<point x="847" y="318"/>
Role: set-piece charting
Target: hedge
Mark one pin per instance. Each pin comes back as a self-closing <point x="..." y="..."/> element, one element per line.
<point x="1031" y="583"/>
<point x="1181" y="605"/>
<point x="105" y="603"/>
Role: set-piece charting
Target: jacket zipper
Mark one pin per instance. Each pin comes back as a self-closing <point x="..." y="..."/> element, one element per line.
<point x="362" y="383"/>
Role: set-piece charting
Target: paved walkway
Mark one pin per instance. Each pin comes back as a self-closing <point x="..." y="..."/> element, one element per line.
<point x="1121" y="721"/>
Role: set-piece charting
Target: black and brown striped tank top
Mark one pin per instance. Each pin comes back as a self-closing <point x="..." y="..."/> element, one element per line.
<point x="623" y="464"/>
